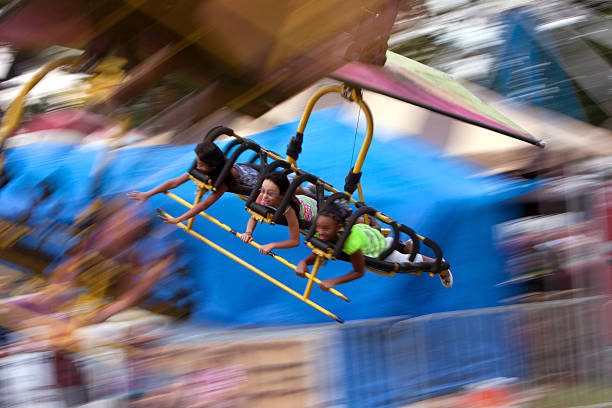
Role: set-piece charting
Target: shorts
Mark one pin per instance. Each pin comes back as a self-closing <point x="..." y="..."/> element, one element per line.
<point x="398" y="257"/>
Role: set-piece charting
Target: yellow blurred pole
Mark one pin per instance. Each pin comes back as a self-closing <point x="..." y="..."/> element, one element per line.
<point x="196" y="202"/>
<point x="368" y="137"/>
<point x="313" y="275"/>
<point x="312" y="101"/>
<point x="254" y="269"/>
<point x="253" y="243"/>
<point x="308" y="110"/>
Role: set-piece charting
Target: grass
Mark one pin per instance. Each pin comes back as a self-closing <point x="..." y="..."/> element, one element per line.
<point x="577" y="396"/>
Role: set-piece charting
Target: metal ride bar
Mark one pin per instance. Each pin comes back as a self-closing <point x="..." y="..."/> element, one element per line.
<point x="392" y="273"/>
<point x="289" y="160"/>
<point x="354" y="96"/>
<point x="380" y="216"/>
<point x="268" y="219"/>
<point x="254" y="269"/>
<point x="253" y="243"/>
<point x="209" y="187"/>
<point x="321" y="255"/>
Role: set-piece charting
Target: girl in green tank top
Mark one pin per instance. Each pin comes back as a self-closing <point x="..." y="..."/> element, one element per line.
<point x="363" y="240"/>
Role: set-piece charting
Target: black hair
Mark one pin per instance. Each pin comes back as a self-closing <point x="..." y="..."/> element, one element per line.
<point x="282" y="182"/>
<point x="279" y="179"/>
<point x="209" y="153"/>
<point x="333" y="211"/>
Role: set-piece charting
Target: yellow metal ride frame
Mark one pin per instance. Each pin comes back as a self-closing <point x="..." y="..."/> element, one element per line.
<point x="352" y="95"/>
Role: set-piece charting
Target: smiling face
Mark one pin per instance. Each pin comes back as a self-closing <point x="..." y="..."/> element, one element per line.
<point x="328" y="228"/>
<point x="270" y="194"/>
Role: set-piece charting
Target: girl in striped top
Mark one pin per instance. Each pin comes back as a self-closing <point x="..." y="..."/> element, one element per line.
<point x="300" y="207"/>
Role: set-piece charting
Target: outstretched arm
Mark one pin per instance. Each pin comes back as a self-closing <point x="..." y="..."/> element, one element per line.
<point x="302" y="266"/>
<point x="247" y="236"/>
<point x="201" y="206"/>
<point x="168" y="185"/>
<point x="294" y="235"/>
<point x="358" y="262"/>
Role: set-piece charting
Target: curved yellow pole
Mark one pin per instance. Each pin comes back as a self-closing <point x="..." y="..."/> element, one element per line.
<point x="312" y="101"/>
<point x="15" y="110"/>
<point x="355" y="97"/>
<point x="368" y="137"/>
<point x="364" y="107"/>
<point x="365" y="145"/>
<point x="308" y="110"/>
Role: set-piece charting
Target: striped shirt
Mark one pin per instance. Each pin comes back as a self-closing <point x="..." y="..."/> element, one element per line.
<point x="308" y="207"/>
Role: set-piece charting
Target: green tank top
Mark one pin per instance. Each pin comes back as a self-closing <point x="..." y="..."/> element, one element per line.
<point x="369" y="240"/>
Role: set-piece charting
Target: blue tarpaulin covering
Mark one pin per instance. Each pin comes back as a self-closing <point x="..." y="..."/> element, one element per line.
<point x="403" y="177"/>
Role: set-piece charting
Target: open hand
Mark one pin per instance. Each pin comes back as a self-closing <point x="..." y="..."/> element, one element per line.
<point x="168" y="220"/>
<point x="138" y="196"/>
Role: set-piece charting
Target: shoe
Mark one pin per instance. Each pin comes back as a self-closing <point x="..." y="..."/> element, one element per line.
<point x="446" y="277"/>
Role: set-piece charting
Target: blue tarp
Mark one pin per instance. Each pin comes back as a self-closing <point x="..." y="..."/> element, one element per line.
<point x="403" y="177"/>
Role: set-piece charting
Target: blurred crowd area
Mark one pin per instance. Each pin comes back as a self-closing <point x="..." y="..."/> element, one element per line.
<point x="553" y="354"/>
<point x="544" y="56"/>
<point x="548" y="346"/>
<point x="560" y="51"/>
<point x="562" y="245"/>
<point x="554" y="54"/>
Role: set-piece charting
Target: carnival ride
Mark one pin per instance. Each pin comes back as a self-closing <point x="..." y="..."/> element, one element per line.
<point x="400" y="78"/>
<point x="323" y="250"/>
